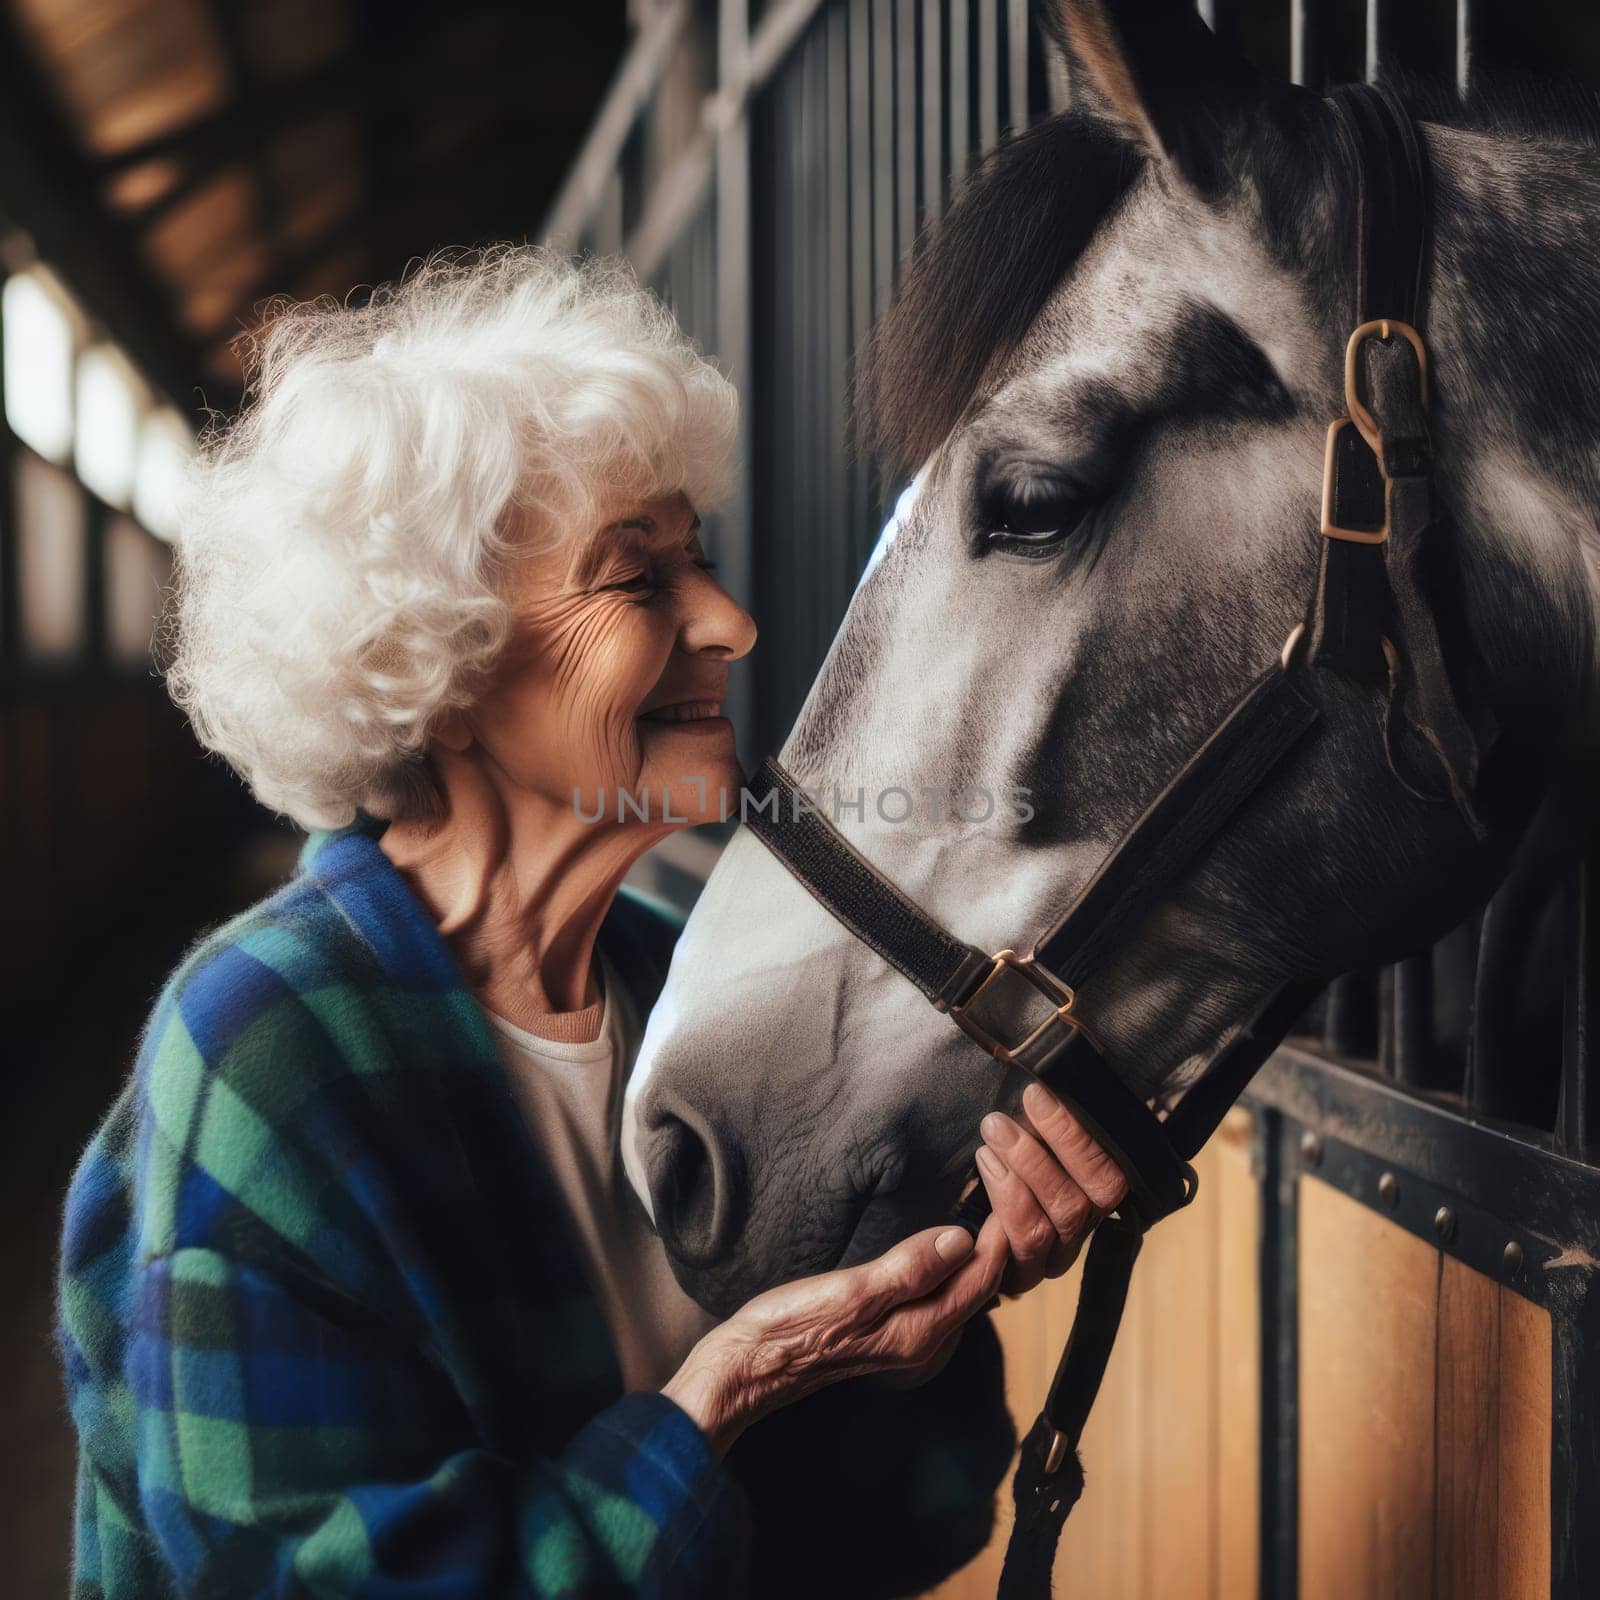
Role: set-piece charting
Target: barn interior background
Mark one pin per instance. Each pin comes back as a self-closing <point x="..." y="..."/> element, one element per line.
<point x="1390" y="1379"/>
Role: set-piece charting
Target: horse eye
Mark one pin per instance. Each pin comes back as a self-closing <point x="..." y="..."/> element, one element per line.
<point x="1033" y="517"/>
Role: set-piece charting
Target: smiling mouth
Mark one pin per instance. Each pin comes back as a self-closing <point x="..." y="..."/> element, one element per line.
<point x="684" y="711"/>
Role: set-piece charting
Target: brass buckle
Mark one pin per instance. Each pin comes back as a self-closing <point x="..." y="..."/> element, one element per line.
<point x="1364" y="422"/>
<point x="1042" y="979"/>
<point x="1380" y="328"/>
<point x="1330" y="480"/>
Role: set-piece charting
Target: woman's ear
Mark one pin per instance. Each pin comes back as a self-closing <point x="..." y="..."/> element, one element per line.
<point x="453" y="731"/>
<point x="1155" y="71"/>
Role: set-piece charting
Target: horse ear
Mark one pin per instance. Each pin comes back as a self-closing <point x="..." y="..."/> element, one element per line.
<point x="1156" y="71"/>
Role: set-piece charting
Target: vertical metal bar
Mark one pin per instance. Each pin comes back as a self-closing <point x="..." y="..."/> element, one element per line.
<point x="1455" y="965"/>
<point x="988" y="74"/>
<point x="838" y="323"/>
<point x="786" y="589"/>
<point x="1377" y="43"/>
<point x="1497" y="1083"/>
<point x="882" y="155"/>
<point x="860" y="116"/>
<point x="932" y="110"/>
<point x="1279" y="1312"/>
<point x="960" y="90"/>
<point x="733" y="253"/>
<point x="1305" y="44"/>
<point x="1467" y="30"/>
<point x="804" y="324"/>
<point x="1578" y="1107"/>
<point x="907" y="125"/>
<point x="1350" y="1026"/>
<point x="1017" y="56"/>
<point x="1386" y="1021"/>
<point x="1413" y="1021"/>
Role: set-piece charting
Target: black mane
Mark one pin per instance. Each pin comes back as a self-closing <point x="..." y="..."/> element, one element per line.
<point x="980" y="278"/>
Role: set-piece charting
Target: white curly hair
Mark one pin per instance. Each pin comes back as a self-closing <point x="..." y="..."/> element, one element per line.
<point x="340" y="545"/>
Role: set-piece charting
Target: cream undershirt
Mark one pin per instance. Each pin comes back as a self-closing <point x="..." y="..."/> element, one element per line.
<point x="569" y="1091"/>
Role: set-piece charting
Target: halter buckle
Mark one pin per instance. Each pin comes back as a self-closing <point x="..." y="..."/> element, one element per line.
<point x="1360" y="418"/>
<point x="1042" y="979"/>
<point x="1330" y="494"/>
<point x="1384" y="328"/>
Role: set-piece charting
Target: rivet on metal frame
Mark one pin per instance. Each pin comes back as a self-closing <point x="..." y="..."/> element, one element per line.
<point x="1389" y="1190"/>
<point x="1311" y="1148"/>
<point x="1444" y="1224"/>
<point x="1511" y="1259"/>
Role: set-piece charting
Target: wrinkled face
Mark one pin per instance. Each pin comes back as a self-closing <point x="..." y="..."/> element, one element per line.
<point x="1101" y="558"/>
<point x="619" y="657"/>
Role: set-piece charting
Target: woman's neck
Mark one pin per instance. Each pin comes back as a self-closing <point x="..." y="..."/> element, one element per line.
<point x="517" y="884"/>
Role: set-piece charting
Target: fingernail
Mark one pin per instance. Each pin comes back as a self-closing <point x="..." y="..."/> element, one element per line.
<point x="989" y="1163"/>
<point x="1037" y="1100"/>
<point x="953" y="1244"/>
<point x="998" y="1129"/>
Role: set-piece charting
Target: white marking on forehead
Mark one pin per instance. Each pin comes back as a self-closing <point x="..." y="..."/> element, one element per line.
<point x="897" y="520"/>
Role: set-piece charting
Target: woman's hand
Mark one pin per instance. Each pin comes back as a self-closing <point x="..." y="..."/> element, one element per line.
<point x="1049" y="1185"/>
<point x="896" y="1314"/>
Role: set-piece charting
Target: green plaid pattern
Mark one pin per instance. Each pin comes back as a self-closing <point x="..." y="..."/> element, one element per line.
<point x="326" y="1331"/>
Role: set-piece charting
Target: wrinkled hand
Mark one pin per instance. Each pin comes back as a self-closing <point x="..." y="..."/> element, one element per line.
<point x="896" y="1314"/>
<point x="1049" y="1184"/>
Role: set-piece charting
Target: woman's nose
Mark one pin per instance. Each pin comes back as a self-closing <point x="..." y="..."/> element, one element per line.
<point x="713" y="622"/>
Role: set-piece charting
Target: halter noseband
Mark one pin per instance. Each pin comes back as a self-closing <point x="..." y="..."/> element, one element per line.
<point x="1369" y="622"/>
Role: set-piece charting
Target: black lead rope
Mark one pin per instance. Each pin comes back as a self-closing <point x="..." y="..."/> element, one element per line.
<point x="1368" y="623"/>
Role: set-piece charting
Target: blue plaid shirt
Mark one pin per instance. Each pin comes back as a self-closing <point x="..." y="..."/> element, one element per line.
<point x="326" y="1331"/>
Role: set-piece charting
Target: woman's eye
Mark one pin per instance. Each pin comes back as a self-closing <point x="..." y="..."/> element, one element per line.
<point x="635" y="583"/>
<point x="1031" y="520"/>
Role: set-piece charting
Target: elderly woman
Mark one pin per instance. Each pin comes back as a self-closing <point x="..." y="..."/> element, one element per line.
<point x="355" y="1301"/>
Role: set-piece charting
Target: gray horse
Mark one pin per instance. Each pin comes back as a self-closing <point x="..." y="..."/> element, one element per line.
<point x="1115" y="364"/>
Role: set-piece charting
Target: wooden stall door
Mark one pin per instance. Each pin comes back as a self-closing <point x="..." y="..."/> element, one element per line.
<point x="1170" y="1506"/>
<point x="1425" y="1401"/>
<point x="1425" y="1410"/>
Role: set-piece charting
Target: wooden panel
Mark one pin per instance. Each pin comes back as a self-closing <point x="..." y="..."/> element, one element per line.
<point x="1425" y="1401"/>
<point x="1467" y="1434"/>
<point x="1425" y="1414"/>
<point x="1169" y="1508"/>
<point x="1179" y="1308"/>
<point x="1522" y="1556"/>
<point x="1237" y="1505"/>
<point x="1368" y="1321"/>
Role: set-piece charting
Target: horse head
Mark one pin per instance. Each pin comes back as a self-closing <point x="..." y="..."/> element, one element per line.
<point x="1114" y="365"/>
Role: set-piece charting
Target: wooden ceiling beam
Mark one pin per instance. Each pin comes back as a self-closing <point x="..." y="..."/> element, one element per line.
<point x="49" y="191"/>
<point x="480" y="208"/>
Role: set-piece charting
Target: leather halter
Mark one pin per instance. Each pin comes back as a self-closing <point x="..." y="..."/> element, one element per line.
<point x="1369" y="622"/>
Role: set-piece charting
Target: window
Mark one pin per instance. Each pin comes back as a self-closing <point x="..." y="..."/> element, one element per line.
<point x="165" y="446"/>
<point x="52" y="559"/>
<point x="40" y="329"/>
<point x="111" y="402"/>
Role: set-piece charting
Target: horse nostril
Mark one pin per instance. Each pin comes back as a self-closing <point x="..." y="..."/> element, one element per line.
<point x="694" y="1192"/>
